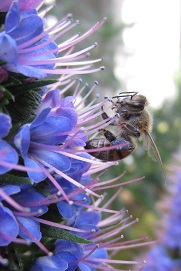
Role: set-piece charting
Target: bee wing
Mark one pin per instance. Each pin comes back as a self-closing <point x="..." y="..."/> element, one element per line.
<point x="151" y="148"/>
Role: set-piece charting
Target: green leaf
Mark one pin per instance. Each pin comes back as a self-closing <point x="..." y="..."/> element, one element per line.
<point x="53" y="232"/>
<point x="12" y="179"/>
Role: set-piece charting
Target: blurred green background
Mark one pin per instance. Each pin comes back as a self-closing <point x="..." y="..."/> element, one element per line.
<point x="139" y="198"/>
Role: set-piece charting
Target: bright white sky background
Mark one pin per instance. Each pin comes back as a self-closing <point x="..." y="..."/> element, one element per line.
<point x="154" y="43"/>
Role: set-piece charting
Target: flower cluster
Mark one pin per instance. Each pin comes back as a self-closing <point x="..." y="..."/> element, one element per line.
<point x="166" y="255"/>
<point x="47" y="195"/>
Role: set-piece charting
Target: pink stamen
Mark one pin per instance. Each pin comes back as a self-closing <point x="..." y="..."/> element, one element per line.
<point x="12" y="202"/>
<point x="87" y="34"/>
<point x="112" y="261"/>
<point x="92" y="207"/>
<point x="85" y="257"/>
<point x="110" y="181"/>
<point x="65" y="22"/>
<point x="60" y="226"/>
<point x="89" y="110"/>
<point x="88" y="114"/>
<point x="119" y="184"/>
<point x="96" y="168"/>
<point x="13" y="239"/>
<point x="87" y="95"/>
<point x="65" y="177"/>
<point x="30" y="213"/>
<point x="80" y="70"/>
<point x="123" y="247"/>
<point x="103" y="266"/>
<point x="19" y="167"/>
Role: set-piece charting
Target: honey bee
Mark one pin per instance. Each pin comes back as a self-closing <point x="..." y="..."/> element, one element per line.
<point x="109" y="139"/>
<point x="134" y="121"/>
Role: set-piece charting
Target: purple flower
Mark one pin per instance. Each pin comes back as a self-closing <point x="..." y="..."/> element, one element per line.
<point x="160" y="260"/>
<point x="24" y="4"/>
<point x="166" y="254"/>
<point x="18" y="32"/>
<point x="8" y="156"/>
<point x="42" y="141"/>
<point x="32" y="52"/>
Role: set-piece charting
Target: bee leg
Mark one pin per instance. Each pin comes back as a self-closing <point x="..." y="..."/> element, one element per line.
<point x="132" y="131"/>
<point x="105" y="116"/>
<point x="108" y="135"/>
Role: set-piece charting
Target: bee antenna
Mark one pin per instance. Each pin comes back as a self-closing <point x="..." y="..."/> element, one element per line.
<point x="126" y="94"/>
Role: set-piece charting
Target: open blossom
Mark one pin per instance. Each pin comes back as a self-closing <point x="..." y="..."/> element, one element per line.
<point x="32" y="51"/>
<point x="24" y="4"/>
<point x="18" y="31"/>
<point x="41" y="139"/>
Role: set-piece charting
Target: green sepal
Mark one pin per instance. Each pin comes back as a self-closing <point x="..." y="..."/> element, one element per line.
<point x="7" y="96"/>
<point x="22" y="98"/>
<point x="30" y="85"/>
<point x="15" y="180"/>
<point x="56" y="233"/>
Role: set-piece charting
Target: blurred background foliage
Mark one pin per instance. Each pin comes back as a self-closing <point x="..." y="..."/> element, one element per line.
<point x="139" y="198"/>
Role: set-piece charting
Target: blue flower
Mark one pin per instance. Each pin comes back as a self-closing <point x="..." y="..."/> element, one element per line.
<point x="24" y="4"/>
<point x="8" y="156"/>
<point x="32" y="51"/>
<point x="78" y="255"/>
<point x="20" y="223"/>
<point x="17" y="33"/>
<point x="173" y="227"/>
<point x="160" y="260"/>
<point x="40" y="141"/>
<point x="87" y="221"/>
<point x="8" y="226"/>
<point x="166" y="255"/>
<point x="50" y="263"/>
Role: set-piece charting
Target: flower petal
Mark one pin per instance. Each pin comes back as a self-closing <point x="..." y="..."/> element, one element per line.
<point x="22" y="139"/>
<point x="50" y="263"/>
<point x="6" y="125"/>
<point x="8" y="225"/>
<point x="7" y="154"/>
<point x="32" y="226"/>
<point x="9" y="51"/>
